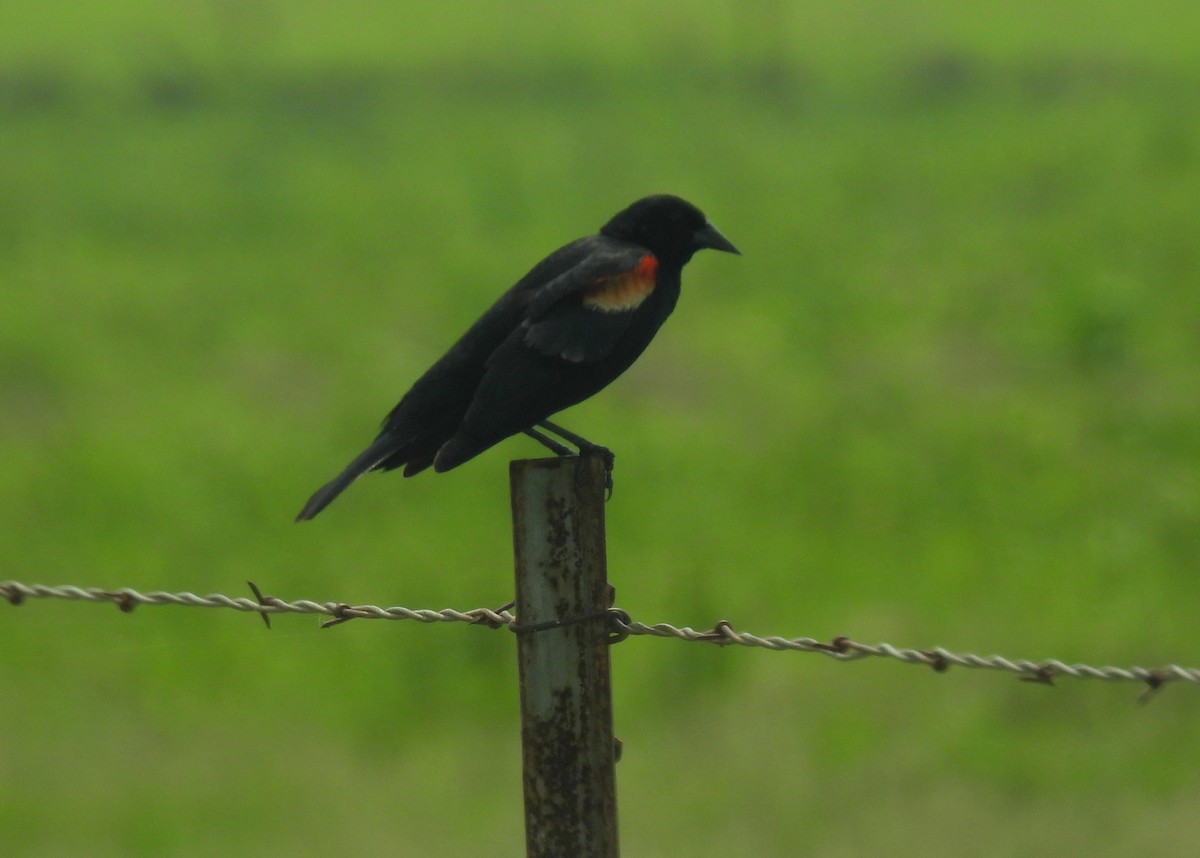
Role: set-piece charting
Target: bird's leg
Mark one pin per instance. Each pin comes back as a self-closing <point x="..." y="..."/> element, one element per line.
<point x="549" y="443"/>
<point x="586" y="447"/>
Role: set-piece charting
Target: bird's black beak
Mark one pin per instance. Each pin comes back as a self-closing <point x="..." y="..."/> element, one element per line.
<point x="709" y="236"/>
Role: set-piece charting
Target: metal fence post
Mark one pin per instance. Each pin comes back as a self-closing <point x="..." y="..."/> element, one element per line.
<point x="562" y="650"/>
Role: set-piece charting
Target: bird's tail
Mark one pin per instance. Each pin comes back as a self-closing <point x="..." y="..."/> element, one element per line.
<point x="381" y="448"/>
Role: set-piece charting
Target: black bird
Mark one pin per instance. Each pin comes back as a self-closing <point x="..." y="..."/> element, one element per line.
<point x="564" y="331"/>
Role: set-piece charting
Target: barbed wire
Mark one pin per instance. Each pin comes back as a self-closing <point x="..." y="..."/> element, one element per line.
<point x="621" y="626"/>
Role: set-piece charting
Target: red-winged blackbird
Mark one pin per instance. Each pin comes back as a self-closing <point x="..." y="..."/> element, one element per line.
<point x="564" y="331"/>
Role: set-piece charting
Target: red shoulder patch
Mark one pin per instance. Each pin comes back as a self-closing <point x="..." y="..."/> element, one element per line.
<point x="623" y="292"/>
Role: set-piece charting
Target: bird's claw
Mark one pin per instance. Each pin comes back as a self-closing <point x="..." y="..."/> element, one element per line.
<point x="608" y="457"/>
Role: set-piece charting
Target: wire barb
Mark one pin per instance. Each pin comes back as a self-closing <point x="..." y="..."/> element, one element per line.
<point x="620" y="627"/>
<point x="261" y="600"/>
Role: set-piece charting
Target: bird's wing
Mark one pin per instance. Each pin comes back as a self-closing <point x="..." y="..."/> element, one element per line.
<point x="580" y="315"/>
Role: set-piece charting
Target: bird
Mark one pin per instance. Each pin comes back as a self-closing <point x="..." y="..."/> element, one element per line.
<point x="564" y="331"/>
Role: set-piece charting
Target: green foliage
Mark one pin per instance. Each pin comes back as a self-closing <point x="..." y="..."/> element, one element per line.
<point x="948" y="396"/>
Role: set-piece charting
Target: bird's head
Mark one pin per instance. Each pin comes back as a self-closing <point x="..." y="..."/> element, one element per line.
<point x="670" y="227"/>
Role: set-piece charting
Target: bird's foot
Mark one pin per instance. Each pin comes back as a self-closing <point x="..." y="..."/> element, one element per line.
<point x="586" y="448"/>
<point x="608" y="457"/>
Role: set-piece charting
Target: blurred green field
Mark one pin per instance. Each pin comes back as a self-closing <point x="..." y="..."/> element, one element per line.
<point x="948" y="396"/>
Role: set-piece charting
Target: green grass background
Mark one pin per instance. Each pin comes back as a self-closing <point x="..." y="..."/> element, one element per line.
<point x="948" y="396"/>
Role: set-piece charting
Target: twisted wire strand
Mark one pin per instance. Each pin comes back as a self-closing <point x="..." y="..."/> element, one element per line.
<point x="938" y="658"/>
<point x="621" y="626"/>
<point x="127" y="599"/>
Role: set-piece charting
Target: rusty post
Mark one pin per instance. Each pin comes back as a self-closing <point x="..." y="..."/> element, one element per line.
<point x="562" y="651"/>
